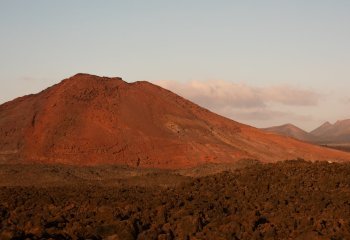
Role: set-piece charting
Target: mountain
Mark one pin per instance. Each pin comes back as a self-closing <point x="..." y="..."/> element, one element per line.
<point x="327" y="133"/>
<point x="290" y="130"/>
<point x="338" y="132"/>
<point x="91" y="120"/>
<point x="321" y="130"/>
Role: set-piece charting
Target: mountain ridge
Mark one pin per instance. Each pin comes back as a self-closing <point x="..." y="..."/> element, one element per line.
<point x="327" y="133"/>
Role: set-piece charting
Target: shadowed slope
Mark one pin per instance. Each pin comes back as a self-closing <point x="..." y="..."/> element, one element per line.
<point x="88" y="120"/>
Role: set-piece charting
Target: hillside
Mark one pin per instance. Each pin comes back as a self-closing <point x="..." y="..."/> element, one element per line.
<point x="91" y="120"/>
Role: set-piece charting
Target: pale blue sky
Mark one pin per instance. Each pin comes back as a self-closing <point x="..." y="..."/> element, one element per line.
<point x="261" y="45"/>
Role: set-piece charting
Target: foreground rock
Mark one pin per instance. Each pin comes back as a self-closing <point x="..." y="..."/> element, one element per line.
<point x="288" y="200"/>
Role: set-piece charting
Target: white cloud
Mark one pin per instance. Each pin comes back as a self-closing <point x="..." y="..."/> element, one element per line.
<point x="246" y="103"/>
<point x="290" y="96"/>
<point x="262" y="114"/>
<point x="238" y="95"/>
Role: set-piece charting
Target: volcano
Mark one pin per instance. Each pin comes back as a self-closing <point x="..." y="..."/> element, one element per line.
<point x="91" y="120"/>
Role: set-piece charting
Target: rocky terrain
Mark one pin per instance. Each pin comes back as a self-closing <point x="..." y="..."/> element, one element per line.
<point x="285" y="200"/>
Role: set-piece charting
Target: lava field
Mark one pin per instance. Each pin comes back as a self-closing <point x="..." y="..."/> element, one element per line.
<point x="285" y="200"/>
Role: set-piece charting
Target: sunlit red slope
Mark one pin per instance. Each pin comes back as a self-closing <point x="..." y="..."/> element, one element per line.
<point x="87" y="120"/>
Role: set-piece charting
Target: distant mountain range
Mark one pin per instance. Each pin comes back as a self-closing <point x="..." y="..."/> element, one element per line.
<point x="327" y="133"/>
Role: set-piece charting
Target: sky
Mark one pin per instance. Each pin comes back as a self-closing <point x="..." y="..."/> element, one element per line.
<point x="263" y="63"/>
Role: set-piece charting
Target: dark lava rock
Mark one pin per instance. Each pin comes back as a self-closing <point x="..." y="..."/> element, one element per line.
<point x="287" y="200"/>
